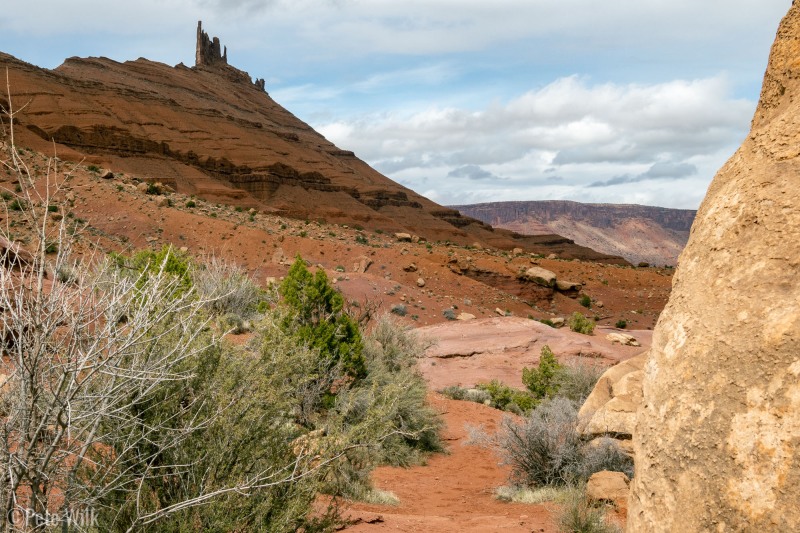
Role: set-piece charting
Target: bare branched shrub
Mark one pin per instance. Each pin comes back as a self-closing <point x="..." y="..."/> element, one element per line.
<point x="227" y="287"/>
<point x="545" y="448"/>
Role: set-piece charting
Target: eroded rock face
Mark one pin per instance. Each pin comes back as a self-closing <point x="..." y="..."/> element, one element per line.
<point x="717" y="438"/>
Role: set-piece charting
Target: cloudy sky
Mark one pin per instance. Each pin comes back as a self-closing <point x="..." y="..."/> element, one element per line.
<point x="465" y="101"/>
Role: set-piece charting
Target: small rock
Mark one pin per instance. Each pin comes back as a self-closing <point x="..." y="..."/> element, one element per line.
<point x="558" y="322"/>
<point x="362" y="264"/>
<point x="517" y="251"/>
<point x="415" y="238"/>
<point x="599" y="304"/>
<point x="420" y="282"/>
<point x="499" y="311"/>
<point x="106" y="175"/>
<point x="623" y="339"/>
<point x="567" y="286"/>
<point x="142" y="187"/>
<point x="184" y="249"/>
<point x="410" y="268"/>
<point x="162" y="201"/>
<point x="403" y="237"/>
<point x="552" y="256"/>
<point x="465" y="316"/>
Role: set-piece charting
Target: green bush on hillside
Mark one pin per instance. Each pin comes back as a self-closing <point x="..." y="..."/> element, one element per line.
<point x="318" y="319"/>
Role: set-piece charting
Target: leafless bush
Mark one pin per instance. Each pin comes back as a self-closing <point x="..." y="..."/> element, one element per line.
<point x="227" y="287"/>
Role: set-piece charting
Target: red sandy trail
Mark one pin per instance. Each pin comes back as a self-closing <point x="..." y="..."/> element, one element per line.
<point x="454" y="491"/>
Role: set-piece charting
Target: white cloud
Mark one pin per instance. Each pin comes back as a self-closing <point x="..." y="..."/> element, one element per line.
<point x="606" y="142"/>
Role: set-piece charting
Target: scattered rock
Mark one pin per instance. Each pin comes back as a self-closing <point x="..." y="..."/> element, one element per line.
<point x="162" y="201"/>
<point x="14" y="254"/>
<point x="517" y="251"/>
<point x="184" y="249"/>
<point x="106" y="175"/>
<point x="279" y="257"/>
<point x="415" y="238"/>
<point x="608" y="486"/>
<point x="465" y="316"/>
<point x="622" y="338"/>
<point x="568" y="286"/>
<point x="558" y="321"/>
<point x="540" y="276"/>
<point x="552" y="256"/>
<point x="402" y="237"/>
<point x="410" y="268"/>
<point x="420" y="282"/>
<point x="142" y="187"/>
<point x="362" y="264"/>
<point x="601" y="305"/>
<point x="499" y="311"/>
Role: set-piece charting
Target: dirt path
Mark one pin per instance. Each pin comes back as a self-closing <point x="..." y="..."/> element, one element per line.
<point x="454" y="491"/>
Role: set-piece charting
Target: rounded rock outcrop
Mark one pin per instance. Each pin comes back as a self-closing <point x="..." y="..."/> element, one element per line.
<point x="717" y="437"/>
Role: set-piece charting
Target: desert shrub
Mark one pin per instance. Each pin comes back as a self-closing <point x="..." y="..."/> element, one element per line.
<point x="148" y="263"/>
<point x="399" y="310"/>
<point x="233" y="323"/>
<point x="543" y="381"/>
<point x="577" y="378"/>
<point x="545" y="448"/>
<point x="449" y="313"/>
<point x="454" y="392"/>
<point x="395" y="392"/>
<point x="585" y="301"/>
<point x="227" y="288"/>
<point x="605" y="454"/>
<point x="580" y="324"/>
<point x="621" y="323"/>
<point x="318" y="319"/>
<point x="507" y="398"/>
<point x="191" y="203"/>
<point x="578" y="515"/>
<point x="547" y="322"/>
<point x="361" y="239"/>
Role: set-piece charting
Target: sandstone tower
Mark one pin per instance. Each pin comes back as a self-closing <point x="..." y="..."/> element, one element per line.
<point x="208" y="50"/>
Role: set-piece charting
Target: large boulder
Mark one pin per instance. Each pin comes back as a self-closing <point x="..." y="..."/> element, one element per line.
<point x="540" y="276"/>
<point x="717" y="438"/>
<point x="610" y="410"/>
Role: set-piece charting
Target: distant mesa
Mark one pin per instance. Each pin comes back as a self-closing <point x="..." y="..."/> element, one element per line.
<point x="640" y="234"/>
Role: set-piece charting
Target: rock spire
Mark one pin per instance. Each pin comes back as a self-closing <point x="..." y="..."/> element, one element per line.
<point x="208" y="51"/>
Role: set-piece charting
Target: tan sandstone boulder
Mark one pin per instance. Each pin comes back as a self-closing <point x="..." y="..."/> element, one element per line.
<point x="608" y="486"/>
<point x="610" y="410"/>
<point x="717" y="440"/>
<point x="540" y="276"/>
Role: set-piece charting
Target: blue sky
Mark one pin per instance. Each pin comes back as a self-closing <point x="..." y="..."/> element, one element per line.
<point x="631" y="101"/>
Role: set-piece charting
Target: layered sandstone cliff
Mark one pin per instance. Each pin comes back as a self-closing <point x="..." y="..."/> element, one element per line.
<point x="717" y="437"/>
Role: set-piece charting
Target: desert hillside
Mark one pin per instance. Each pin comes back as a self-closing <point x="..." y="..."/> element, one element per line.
<point x="212" y="132"/>
<point x="639" y="233"/>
